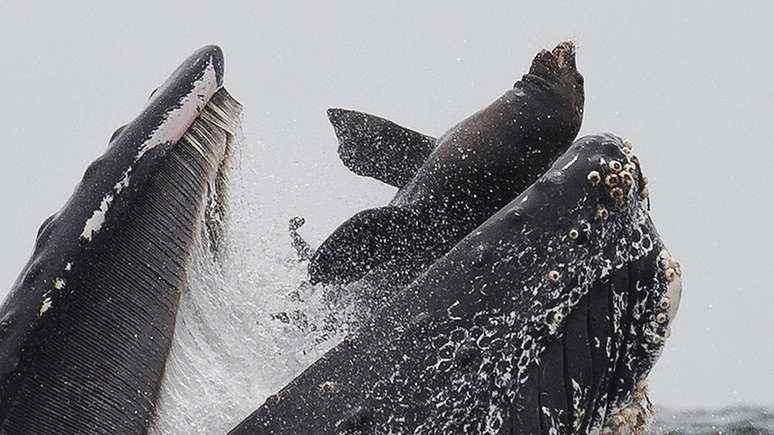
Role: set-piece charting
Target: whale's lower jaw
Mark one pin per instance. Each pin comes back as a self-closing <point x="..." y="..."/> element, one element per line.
<point x="94" y="360"/>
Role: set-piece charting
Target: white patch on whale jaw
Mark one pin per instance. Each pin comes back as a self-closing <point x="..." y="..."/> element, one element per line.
<point x="94" y="223"/>
<point x="178" y="120"/>
<point x="674" y="276"/>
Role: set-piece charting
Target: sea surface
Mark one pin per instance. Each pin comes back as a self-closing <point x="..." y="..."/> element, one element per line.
<point x="740" y="420"/>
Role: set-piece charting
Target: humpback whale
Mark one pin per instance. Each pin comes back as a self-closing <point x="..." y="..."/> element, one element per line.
<point x="450" y="185"/>
<point x="547" y="318"/>
<point x="86" y="329"/>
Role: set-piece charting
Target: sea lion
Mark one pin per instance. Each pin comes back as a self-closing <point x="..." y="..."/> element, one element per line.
<point x="447" y="186"/>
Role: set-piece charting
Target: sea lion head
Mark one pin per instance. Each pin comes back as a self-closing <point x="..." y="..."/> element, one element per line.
<point x="555" y="71"/>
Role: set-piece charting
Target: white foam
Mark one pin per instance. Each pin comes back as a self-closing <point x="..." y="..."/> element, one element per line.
<point x="228" y="354"/>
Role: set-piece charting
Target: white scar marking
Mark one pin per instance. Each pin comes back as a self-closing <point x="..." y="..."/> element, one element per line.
<point x="574" y="159"/>
<point x="124" y="181"/>
<point x="45" y="305"/>
<point x="59" y="283"/>
<point x="94" y="223"/>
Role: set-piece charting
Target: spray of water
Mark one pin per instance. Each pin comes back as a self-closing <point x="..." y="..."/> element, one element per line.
<point x="247" y="324"/>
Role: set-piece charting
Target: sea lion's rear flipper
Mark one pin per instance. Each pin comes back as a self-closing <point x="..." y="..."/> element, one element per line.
<point x="375" y="147"/>
<point x="365" y="241"/>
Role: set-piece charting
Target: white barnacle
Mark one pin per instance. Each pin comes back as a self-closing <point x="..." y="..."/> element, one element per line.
<point x="328" y="388"/>
<point x="615" y="165"/>
<point x="664" y="303"/>
<point x="177" y="120"/>
<point x="626" y="177"/>
<point x="553" y="276"/>
<point x="618" y="196"/>
<point x="594" y="178"/>
<point x="573" y="234"/>
<point x="69" y="266"/>
<point x="661" y="318"/>
<point x="673" y="270"/>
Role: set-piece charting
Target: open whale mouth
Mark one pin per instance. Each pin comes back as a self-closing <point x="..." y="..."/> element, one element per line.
<point x="610" y="298"/>
<point x="93" y="312"/>
<point x="194" y="124"/>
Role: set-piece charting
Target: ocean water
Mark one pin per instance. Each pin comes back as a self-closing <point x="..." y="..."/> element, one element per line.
<point x="732" y="421"/>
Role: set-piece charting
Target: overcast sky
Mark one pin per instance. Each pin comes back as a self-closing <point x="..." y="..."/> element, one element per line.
<point x="688" y="83"/>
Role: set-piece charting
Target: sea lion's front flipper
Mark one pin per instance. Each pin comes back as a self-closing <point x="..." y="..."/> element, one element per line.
<point x="362" y="243"/>
<point x="375" y="147"/>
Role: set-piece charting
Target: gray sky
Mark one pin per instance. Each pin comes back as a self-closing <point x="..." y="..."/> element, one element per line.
<point x="688" y="83"/>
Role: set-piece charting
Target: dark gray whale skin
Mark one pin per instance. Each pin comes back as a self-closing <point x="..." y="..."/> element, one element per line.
<point x="448" y="186"/>
<point x="86" y="329"/>
<point x="543" y="318"/>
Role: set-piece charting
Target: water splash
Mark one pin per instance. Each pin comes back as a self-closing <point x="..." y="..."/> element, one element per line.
<point x="740" y="420"/>
<point x="236" y="341"/>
